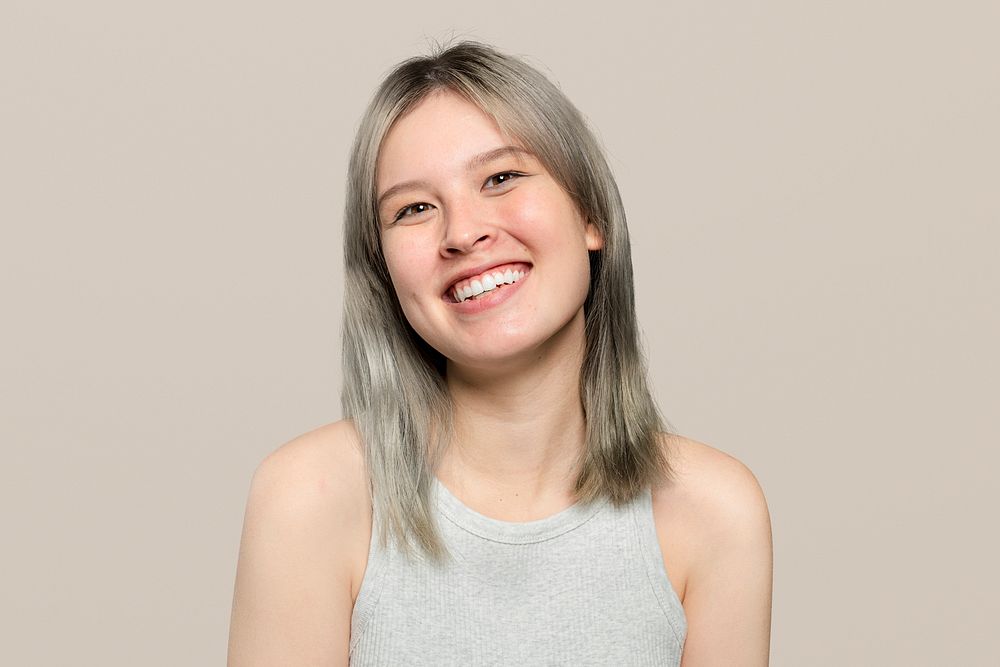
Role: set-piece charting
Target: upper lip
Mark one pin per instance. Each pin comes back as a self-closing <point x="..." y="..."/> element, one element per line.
<point x="476" y="270"/>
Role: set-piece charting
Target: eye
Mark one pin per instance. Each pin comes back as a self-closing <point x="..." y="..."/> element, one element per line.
<point x="411" y="210"/>
<point x="501" y="179"/>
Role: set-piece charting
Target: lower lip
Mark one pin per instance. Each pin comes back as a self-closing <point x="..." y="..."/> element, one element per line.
<point x="489" y="300"/>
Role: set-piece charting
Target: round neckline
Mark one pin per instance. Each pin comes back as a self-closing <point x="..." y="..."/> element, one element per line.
<point x="512" y="532"/>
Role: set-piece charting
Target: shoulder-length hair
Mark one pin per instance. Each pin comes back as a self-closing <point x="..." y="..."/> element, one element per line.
<point x="394" y="388"/>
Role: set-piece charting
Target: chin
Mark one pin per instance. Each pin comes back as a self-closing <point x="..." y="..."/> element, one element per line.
<point x="487" y="359"/>
<point x="514" y="345"/>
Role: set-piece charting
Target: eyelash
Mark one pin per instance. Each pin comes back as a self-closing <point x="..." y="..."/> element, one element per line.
<point x="402" y="212"/>
<point x="511" y="176"/>
<point x="515" y="174"/>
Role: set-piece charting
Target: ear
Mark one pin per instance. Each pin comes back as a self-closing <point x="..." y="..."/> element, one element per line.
<point x="593" y="237"/>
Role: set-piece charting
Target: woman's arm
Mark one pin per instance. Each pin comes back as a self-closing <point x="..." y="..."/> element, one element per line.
<point x="307" y="524"/>
<point x="716" y="527"/>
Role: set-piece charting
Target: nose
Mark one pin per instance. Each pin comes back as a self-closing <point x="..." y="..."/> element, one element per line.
<point x="466" y="231"/>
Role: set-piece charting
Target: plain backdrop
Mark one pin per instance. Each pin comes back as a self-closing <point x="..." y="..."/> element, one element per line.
<point x="812" y="191"/>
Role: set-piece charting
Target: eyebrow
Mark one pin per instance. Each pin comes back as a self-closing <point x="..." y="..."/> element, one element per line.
<point x="496" y="154"/>
<point x="475" y="162"/>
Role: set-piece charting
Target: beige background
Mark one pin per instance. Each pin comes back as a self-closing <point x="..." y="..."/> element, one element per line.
<point x="813" y="194"/>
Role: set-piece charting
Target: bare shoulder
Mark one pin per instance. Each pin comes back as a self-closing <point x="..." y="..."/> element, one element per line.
<point x="719" y="486"/>
<point x="323" y="465"/>
<point x="317" y="478"/>
<point x="714" y="530"/>
<point x="303" y="551"/>
<point x="318" y="481"/>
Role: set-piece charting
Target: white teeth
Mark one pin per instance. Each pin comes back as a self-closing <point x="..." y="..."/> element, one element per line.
<point x="488" y="283"/>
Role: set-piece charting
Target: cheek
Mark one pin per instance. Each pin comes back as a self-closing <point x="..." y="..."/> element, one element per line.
<point x="544" y="215"/>
<point x="530" y="220"/>
<point x="552" y="225"/>
<point x="409" y="262"/>
<point x="405" y="260"/>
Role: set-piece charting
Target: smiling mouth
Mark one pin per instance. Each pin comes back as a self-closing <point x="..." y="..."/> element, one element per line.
<point x="489" y="281"/>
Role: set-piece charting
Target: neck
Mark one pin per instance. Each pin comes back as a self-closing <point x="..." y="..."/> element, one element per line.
<point x="519" y="431"/>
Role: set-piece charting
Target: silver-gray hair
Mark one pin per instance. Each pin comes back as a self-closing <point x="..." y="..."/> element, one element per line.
<point x="394" y="388"/>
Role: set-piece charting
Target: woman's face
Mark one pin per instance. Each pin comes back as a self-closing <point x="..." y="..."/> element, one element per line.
<point x="487" y="253"/>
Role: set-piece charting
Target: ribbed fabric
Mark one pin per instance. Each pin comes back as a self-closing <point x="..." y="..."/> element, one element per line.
<point x="586" y="586"/>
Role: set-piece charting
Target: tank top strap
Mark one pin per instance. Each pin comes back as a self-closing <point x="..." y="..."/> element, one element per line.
<point x="379" y="561"/>
<point x="645" y="526"/>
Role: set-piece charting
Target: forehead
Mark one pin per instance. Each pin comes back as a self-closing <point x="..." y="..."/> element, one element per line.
<point x="439" y="134"/>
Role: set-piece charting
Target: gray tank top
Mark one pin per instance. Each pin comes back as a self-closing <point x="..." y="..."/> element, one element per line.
<point x="586" y="586"/>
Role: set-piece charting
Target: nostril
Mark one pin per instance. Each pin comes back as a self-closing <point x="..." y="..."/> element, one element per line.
<point x="465" y="247"/>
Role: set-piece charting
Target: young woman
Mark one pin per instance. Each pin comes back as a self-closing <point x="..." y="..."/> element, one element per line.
<point x="502" y="491"/>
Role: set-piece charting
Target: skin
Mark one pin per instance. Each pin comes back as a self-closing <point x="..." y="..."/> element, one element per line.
<point x="513" y="372"/>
